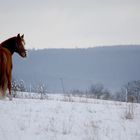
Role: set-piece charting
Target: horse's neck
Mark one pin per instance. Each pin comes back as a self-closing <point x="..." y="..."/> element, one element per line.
<point x="9" y="44"/>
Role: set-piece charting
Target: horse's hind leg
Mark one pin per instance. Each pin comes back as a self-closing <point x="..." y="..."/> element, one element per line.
<point x="9" y="85"/>
<point x="3" y="91"/>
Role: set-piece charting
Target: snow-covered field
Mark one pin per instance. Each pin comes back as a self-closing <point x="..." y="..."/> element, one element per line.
<point x="68" y="118"/>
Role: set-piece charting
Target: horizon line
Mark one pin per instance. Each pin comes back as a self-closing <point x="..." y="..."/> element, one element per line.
<point x="100" y="46"/>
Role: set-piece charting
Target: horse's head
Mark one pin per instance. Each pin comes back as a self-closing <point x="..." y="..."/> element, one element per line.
<point x="20" y="43"/>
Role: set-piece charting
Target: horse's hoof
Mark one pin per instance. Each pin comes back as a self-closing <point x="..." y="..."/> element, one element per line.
<point x="10" y="98"/>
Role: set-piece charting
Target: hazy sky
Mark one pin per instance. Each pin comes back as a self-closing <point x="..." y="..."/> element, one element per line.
<point x="71" y="23"/>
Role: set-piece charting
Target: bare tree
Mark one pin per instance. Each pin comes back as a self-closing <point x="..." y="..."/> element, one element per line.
<point x="99" y="92"/>
<point x="14" y="87"/>
<point x="133" y="90"/>
<point x="21" y="86"/>
<point x="42" y="89"/>
<point x="120" y="95"/>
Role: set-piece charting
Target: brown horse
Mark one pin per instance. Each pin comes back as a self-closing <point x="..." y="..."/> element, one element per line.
<point x="7" y="48"/>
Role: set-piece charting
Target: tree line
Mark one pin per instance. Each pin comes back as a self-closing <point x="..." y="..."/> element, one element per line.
<point x="130" y="92"/>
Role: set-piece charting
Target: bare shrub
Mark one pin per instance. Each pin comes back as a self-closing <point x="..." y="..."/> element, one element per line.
<point x="67" y="98"/>
<point x="130" y="108"/>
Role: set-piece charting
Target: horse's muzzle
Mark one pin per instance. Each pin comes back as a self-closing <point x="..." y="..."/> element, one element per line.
<point x="24" y="53"/>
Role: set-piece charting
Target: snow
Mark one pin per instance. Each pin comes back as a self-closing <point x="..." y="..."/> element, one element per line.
<point x="67" y="118"/>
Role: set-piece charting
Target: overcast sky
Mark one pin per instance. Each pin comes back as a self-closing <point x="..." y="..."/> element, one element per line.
<point x="71" y="23"/>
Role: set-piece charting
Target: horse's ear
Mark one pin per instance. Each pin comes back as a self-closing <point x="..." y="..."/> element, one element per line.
<point x="18" y="35"/>
<point x="22" y="36"/>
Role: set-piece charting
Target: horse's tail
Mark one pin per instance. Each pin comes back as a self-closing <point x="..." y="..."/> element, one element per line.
<point x="2" y="70"/>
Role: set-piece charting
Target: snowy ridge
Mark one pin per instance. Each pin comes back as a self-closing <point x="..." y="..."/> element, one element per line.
<point x="60" y="117"/>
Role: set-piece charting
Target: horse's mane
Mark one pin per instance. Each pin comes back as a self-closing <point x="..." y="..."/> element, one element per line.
<point x="8" y="43"/>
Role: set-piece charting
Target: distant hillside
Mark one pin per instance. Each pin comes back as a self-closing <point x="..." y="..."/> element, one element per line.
<point x="79" y="68"/>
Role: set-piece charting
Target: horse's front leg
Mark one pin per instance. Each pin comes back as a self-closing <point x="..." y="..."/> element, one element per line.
<point x="9" y="88"/>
